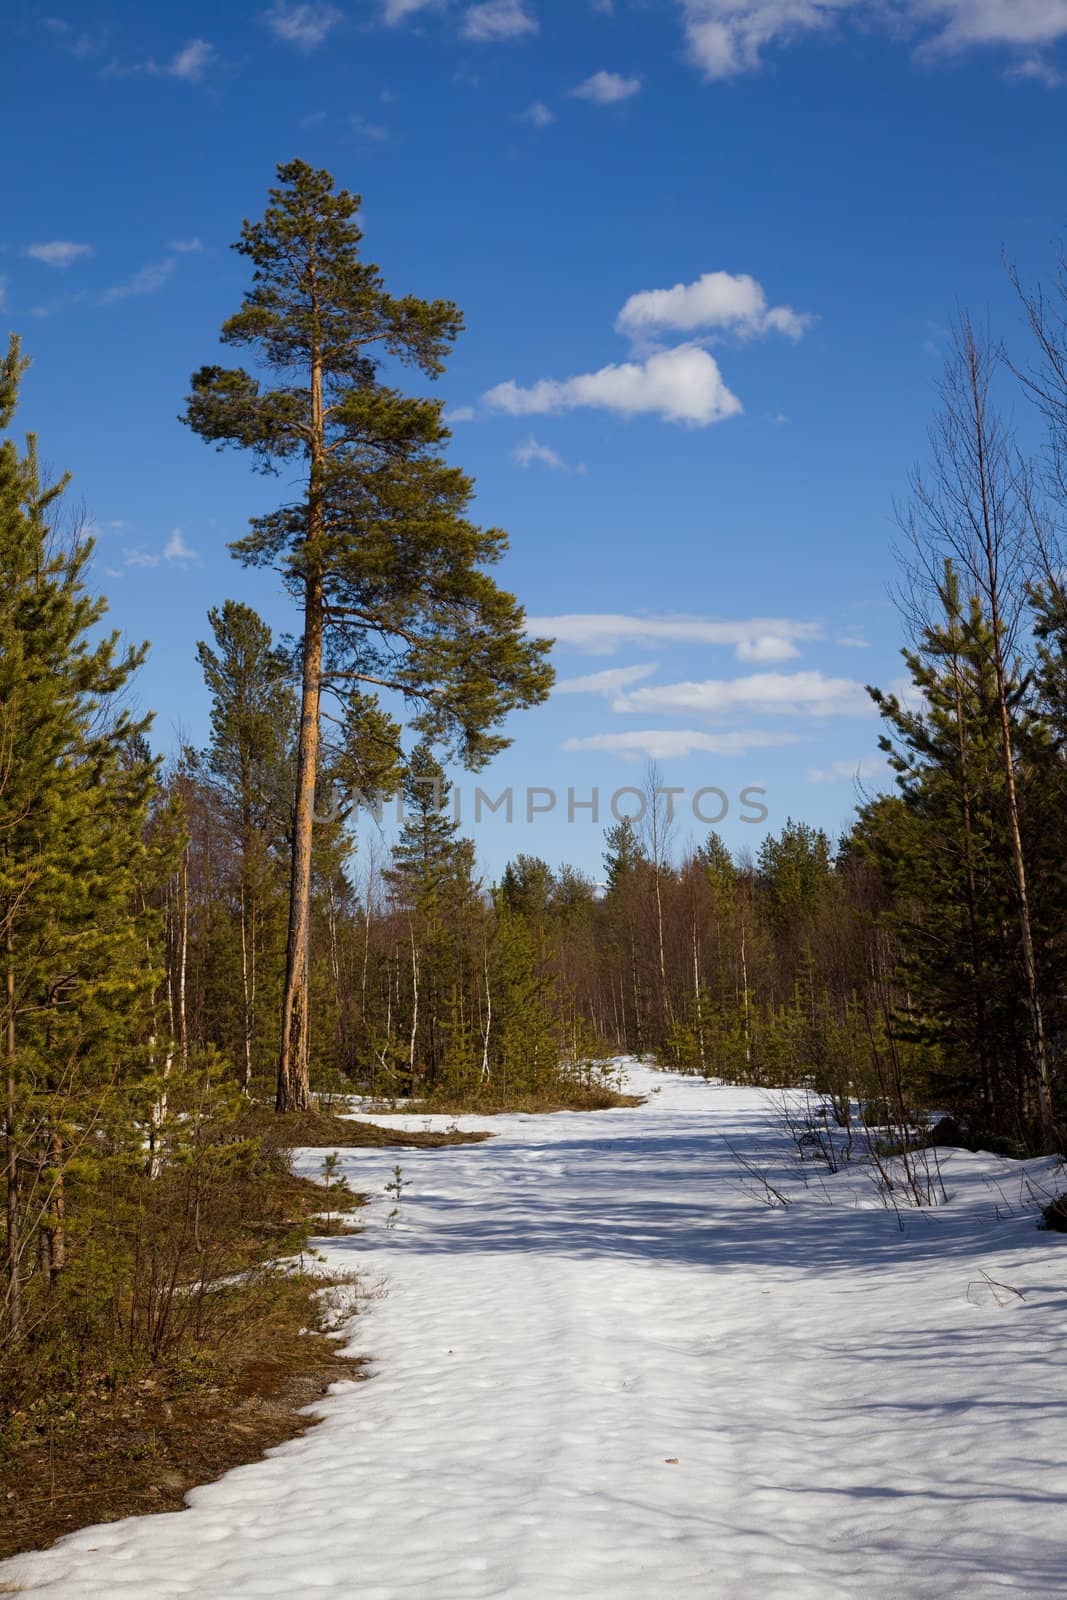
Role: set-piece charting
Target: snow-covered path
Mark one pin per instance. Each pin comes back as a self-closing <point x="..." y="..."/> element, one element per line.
<point x="603" y="1371"/>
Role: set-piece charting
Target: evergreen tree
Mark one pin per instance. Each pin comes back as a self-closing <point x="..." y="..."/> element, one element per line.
<point x="976" y="508"/>
<point x="573" y="894"/>
<point x="75" y="783"/>
<point x="525" y="1038"/>
<point x="432" y="880"/>
<point x="795" y="868"/>
<point x="253" y="724"/>
<point x="718" y="864"/>
<point x="429" y="855"/>
<point x="942" y="846"/>
<point x="527" y="887"/>
<point x="253" y="715"/>
<point x="623" y="855"/>
<point x="377" y="547"/>
<point x="626" y="866"/>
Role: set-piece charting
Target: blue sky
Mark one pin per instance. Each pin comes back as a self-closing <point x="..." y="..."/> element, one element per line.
<point x="708" y="251"/>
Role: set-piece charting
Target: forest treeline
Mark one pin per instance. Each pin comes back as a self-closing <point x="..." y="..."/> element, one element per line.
<point x="182" y="939"/>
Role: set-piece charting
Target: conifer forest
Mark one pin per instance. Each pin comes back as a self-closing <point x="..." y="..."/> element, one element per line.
<point x="235" y="1003"/>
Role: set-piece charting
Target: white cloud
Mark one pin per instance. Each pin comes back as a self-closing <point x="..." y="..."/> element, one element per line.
<point x="682" y="385"/>
<point x="176" y="549"/>
<point x="539" y="114"/>
<point x="399" y="10"/>
<point x="459" y="414"/>
<point x="668" y="744"/>
<point x="186" y="247"/>
<point x="810" y="694"/>
<point x="717" y="300"/>
<point x="609" y="682"/>
<point x="607" y="88"/>
<point x="727" y="37"/>
<point x="148" y="280"/>
<point x="61" y="253"/>
<point x="863" y="769"/>
<point x="192" y="61"/>
<point x="189" y="64"/>
<point x="1034" y="70"/>
<point x="753" y="639"/>
<point x="766" y="647"/>
<point x="305" y="26"/>
<point x="526" y="454"/>
<point x="366" y="129"/>
<point x="1014" y="22"/>
<point x="498" y="19"/>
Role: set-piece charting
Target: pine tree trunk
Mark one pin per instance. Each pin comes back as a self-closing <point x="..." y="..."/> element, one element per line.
<point x="11" y="1155"/>
<point x="668" y="1009"/>
<point x="57" y="1211"/>
<point x="488" y="1016"/>
<point x="414" y="1007"/>
<point x="304" y="1064"/>
<point x="639" y="1031"/>
<point x="248" y="981"/>
<point x="364" y="964"/>
<point x="294" y="1093"/>
<point x="744" y="980"/>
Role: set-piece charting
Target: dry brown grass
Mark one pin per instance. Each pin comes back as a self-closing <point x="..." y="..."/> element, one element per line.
<point x="322" y="1130"/>
<point x="574" y="1097"/>
<point x="143" y="1449"/>
<point x="126" y="1425"/>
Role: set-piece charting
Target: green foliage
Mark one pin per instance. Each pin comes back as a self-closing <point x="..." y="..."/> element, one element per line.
<point x="795" y="868"/>
<point x="253" y="719"/>
<point x="526" y="1037"/>
<point x="527" y="886"/>
<point x="382" y="524"/>
<point x="941" y="848"/>
<point x="75" y="785"/>
<point x="377" y="547"/>
<point x="718" y="866"/>
<point x="431" y="863"/>
<point x="624" y="855"/>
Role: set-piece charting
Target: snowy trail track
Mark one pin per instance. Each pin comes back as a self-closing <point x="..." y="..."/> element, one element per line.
<point x="603" y="1371"/>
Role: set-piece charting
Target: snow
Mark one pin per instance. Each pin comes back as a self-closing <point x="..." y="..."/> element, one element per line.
<point x="604" y="1370"/>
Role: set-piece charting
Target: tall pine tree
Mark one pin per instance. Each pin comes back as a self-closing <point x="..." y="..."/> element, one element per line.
<point x="75" y="783"/>
<point x="377" y="547"/>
